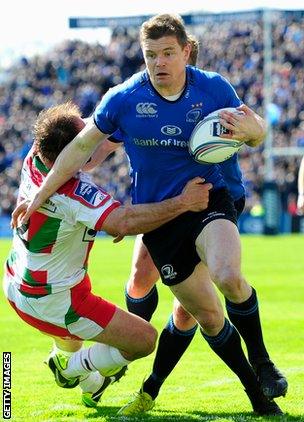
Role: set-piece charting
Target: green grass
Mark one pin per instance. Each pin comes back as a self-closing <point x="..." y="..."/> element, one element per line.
<point x="200" y="387"/>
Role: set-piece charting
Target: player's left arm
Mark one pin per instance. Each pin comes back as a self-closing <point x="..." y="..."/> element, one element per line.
<point x="100" y="154"/>
<point x="247" y="126"/>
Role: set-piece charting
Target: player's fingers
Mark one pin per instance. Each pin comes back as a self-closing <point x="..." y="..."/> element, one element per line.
<point x="228" y="136"/>
<point x="208" y="186"/>
<point x="18" y="211"/>
<point x="118" y="239"/>
<point x="197" y="180"/>
<point x="20" y="218"/>
<point x="24" y="219"/>
<point x="227" y="125"/>
<point x="229" y="117"/>
<point x="245" y="109"/>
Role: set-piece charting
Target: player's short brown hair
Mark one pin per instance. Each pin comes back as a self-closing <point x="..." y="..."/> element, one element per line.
<point x="162" y="26"/>
<point x="54" y="128"/>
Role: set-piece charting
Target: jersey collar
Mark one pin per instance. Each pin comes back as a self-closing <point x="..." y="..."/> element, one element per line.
<point x="146" y="78"/>
<point x="40" y="166"/>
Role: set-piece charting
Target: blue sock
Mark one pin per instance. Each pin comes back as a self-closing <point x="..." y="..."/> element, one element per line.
<point x="246" y="318"/>
<point x="227" y="345"/>
<point x="144" y="306"/>
<point x="172" y="345"/>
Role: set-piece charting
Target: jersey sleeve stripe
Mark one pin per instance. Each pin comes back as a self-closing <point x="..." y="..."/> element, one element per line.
<point x="99" y="223"/>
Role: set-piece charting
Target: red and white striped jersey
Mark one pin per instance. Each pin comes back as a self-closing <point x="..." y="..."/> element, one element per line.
<point x="51" y="253"/>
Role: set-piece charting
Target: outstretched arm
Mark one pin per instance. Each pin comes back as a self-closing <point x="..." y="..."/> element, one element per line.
<point x="142" y="218"/>
<point x="301" y="187"/>
<point x="68" y="162"/>
<point x="248" y="127"/>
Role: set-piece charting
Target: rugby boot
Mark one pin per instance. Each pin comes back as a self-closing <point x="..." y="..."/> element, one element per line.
<point x="141" y="403"/>
<point x="272" y="381"/>
<point x="58" y="363"/>
<point x="92" y="399"/>
<point x="262" y="405"/>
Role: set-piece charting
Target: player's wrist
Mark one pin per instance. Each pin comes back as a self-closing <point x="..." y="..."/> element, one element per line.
<point x="255" y="140"/>
<point x="259" y="134"/>
<point x="181" y="203"/>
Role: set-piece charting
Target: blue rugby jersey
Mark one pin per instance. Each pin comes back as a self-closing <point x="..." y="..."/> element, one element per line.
<point x="156" y="131"/>
<point x="233" y="177"/>
<point x="230" y="170"/>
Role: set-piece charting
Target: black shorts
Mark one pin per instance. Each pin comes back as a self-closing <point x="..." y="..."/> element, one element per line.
<point x="239" y="206"/>
<point x="172" y="246"/>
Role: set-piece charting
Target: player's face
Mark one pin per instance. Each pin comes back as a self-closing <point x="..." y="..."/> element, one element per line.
<point x="166" y="60"/>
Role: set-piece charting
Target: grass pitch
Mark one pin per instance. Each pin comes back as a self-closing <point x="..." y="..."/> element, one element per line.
<point x="201" y="387"/>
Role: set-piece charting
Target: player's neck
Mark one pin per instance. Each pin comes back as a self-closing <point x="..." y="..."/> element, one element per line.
<point x="168" y="91"/>
<point x="173" y="97"/>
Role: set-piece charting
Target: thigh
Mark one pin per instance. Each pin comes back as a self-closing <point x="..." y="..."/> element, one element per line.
<point x="127" y="332"/>
<point x="182" y="319"/>
<point x="143" y="271"/>
<point x="173" y="250"/>
<point x="198" y="296"/>
<point x="218" y="245"/>
<point x="173" y="245"/>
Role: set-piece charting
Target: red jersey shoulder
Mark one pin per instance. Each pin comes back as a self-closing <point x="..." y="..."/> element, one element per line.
<point x="86" y="192"/>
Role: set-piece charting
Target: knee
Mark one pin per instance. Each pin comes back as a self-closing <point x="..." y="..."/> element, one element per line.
<point x="148" y="340"/>
<point x="229" y="281"/>
<point x="211" y="321"/>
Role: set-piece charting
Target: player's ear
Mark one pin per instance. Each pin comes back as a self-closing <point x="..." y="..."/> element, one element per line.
<point x="187" y="51"/>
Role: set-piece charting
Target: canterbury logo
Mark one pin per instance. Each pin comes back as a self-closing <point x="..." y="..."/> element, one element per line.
<point x="146" y="108"/>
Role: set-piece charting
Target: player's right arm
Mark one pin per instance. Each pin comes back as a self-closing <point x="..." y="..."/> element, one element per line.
<point x="69" y="161"/>
<point x="142" y="218"/>
<point x="300" y="203"/>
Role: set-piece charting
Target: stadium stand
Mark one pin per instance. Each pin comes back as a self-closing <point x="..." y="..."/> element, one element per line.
<point x="84" y="72"/>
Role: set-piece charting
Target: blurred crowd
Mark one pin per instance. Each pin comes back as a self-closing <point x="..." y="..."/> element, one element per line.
<point x="83" y="72"/>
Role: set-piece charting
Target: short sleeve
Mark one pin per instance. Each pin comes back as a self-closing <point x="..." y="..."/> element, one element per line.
<point x="117" y="137"/>
<point x="94" y="205"/>
<point x="106" y="115"/>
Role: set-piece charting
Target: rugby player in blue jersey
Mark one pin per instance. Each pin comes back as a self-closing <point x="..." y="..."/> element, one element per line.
<point x="156" y="111"/>
<point x="142" y="298"/>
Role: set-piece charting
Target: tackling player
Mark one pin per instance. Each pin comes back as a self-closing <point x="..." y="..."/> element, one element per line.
<point x="46" y="279"/>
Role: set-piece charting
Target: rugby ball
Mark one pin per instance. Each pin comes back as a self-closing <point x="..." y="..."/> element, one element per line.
<point x="205" y="144"/>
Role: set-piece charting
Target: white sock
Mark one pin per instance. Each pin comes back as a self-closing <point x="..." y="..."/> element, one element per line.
<point x="100" y="357"/>
<point x="91" y="382"/>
